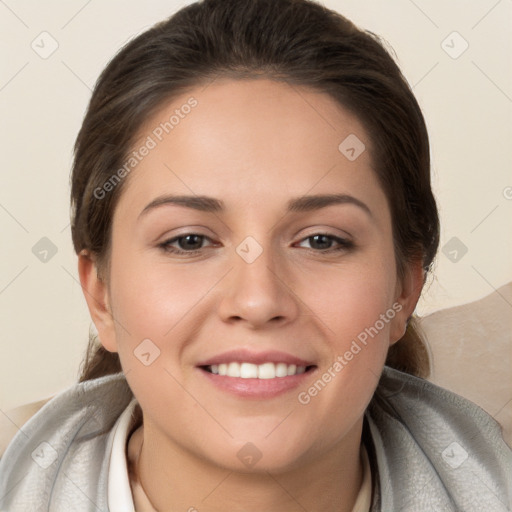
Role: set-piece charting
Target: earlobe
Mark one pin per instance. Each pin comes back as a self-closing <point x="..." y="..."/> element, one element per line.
<point x="97" y="297"/>
<point x="407" y="295"/>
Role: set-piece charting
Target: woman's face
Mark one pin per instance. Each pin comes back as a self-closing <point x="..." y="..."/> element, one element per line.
<point x="280" y="257"/>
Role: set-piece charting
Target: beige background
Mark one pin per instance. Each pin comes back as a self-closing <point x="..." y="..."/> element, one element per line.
<point x="467" y="102"/>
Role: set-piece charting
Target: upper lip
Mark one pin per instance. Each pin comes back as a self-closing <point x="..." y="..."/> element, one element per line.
<point x="248" y="356"/>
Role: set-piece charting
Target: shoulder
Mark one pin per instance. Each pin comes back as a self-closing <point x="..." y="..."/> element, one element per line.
<point x="437" y="449"/>
<point x="67" y="441"/>
<point x="13" y="420"/>
<point x="419" y="400"/>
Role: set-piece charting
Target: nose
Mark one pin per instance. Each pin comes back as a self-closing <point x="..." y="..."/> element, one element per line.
<point x="258" y="293"/>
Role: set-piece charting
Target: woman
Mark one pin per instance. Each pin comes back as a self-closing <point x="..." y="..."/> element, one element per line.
<point x="254" y="222"/>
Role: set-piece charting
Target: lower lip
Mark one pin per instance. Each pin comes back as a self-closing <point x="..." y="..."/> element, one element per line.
<point x="257" y="388"/>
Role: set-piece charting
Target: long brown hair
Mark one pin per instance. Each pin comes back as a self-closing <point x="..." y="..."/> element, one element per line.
<point x="296" y="41"/>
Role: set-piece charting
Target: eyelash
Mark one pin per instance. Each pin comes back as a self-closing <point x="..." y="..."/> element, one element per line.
<point x="344" y="244"/>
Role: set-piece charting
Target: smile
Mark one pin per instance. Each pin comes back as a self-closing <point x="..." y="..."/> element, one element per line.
<point x="246" y="370"/>
<point x="256" y="375"/>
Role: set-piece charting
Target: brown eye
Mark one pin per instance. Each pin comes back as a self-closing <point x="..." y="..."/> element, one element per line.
<point x="190" y="243"/>
<point x="322" y="242"/>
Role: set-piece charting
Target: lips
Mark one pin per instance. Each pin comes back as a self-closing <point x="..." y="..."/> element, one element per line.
<point x="257" y="375"/>
<point x="256" y="358"/>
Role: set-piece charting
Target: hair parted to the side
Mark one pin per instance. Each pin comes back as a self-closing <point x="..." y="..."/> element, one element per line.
<point x="296" y="41"/>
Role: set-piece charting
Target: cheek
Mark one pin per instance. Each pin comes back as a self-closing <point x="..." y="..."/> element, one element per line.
<point x="150" y="299"/>
<point x="356" y="306"/>
<point x="156" y="312"/>
<point x="351" y="299"/>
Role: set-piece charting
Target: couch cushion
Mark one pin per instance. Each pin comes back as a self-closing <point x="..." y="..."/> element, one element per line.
<point x="471" y="350"/>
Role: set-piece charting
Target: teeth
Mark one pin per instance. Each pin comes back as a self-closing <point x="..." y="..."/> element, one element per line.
<point x="265" y="371"/>
<point x="281" y="370"/>
<point x="254" y="371"/>
<point x="233" y="370"/>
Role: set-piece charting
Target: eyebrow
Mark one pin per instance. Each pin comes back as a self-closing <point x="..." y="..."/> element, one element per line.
<point x="299" y="204"/>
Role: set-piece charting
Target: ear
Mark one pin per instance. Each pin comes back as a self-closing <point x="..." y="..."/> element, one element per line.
<point x="97" y="297"/>
<point x="407" y="294"/>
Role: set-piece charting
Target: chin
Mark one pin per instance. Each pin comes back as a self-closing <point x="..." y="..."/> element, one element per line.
<point x="260" y="454"/>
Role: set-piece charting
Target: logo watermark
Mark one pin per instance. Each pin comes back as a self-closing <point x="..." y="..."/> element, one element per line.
<point x="151" y="142"/>
<point x="341" y="361"/>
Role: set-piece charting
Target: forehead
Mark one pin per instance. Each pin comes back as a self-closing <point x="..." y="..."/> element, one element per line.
<point x="252" y="139"/>
<point x="251" y="110"/>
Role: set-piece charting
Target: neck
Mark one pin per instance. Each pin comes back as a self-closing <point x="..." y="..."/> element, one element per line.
<point x="175" y="479"/>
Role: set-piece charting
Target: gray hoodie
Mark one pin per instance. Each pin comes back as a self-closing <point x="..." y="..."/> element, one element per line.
<point x="429" y="449"/>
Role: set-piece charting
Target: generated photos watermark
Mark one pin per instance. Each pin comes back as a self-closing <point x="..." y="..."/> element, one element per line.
<point x="343" y="360"/>
<point x="150" y="143"/>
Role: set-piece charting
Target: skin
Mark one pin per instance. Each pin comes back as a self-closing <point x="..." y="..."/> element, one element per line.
<point x="254" y="144"/>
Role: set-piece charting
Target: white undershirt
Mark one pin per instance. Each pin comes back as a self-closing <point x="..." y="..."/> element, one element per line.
<point x="119" y="493"/>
